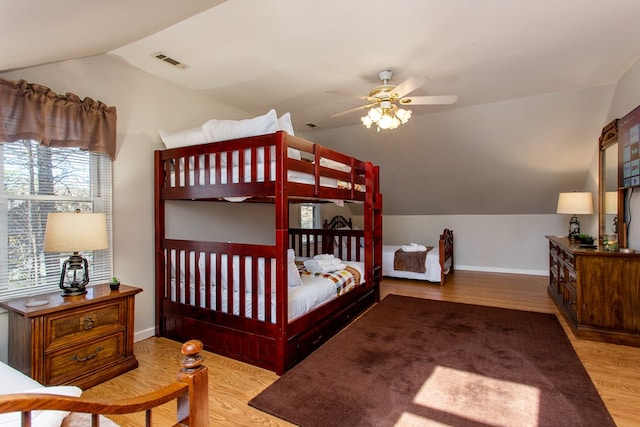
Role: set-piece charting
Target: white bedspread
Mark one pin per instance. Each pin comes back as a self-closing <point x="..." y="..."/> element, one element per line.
<point x="313" y="292"/>
<point x="432" y="264"/>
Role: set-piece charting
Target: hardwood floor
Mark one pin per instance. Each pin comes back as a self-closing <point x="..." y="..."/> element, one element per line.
<point x="615" y="370"/>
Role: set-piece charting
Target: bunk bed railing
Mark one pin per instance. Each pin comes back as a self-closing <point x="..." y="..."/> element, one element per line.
<point x="233" y="279"/>
<point x="249" y="167"/>
<point x="345" y="244"/>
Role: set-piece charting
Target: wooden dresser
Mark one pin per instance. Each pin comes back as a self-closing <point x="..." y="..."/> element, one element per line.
<point x="597" y="292"/>
<point x="81" y="341"/>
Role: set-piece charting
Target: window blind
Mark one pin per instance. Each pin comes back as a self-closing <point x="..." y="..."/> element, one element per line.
<point x="37" y="180"/>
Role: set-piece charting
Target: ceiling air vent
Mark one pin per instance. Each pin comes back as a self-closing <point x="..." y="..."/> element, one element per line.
<point x="162" y="57"/>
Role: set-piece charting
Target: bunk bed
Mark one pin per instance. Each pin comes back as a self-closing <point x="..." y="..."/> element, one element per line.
<point x="435" y="267"/>
<point x="239" y="298"/>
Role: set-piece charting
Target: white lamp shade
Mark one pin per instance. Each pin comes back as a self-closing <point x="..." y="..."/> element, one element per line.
<point x="611" y="203"/>
<point x="74" y="232"/>
<point x="575" y="203"/>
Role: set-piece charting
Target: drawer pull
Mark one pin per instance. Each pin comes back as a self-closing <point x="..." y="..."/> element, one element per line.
<point x="89" y="357"/>
<point x="317" y="340"/>
<point x="88" y="323"/>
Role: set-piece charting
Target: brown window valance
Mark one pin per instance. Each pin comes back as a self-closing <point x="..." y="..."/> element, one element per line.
<point x="33" y="111"/>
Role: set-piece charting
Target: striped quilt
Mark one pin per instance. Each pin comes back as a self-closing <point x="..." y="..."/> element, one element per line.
<point x="345" y="280"/>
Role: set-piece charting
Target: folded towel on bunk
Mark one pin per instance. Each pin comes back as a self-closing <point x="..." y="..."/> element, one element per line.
<point x="324" y="265"/>
<point x="324" y="256"/>
<point x="413" y="247"/>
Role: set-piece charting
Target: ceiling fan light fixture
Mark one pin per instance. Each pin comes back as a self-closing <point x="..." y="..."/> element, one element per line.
<point x="386" y="118"/>
<point x="385" y="100"/>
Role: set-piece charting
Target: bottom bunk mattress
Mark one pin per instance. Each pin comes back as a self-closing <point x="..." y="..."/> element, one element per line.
<point x="432" y="269"/>
<point x="306" y="291"/>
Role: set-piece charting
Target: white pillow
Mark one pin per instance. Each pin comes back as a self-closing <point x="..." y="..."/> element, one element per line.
<point x="183" y="138"/>
<point x="223" y="130"/>
<point x="284" y="123"/>
<point x="42" y="418"/>
<point x="293" y="274"/>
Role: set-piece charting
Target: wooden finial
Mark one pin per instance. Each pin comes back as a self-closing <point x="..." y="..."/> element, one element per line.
<point x="192" y="359"/>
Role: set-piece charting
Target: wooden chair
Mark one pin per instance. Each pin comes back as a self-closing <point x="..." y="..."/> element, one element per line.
<point x="190" y="392"/>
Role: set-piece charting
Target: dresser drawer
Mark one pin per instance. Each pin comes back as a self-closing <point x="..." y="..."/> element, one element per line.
<point x="64" y="365"/>
<point x="569" y="260"/>
<point x="74" y="326"/>
<point x="310" y="341"/>
<point x="569" y="298"/>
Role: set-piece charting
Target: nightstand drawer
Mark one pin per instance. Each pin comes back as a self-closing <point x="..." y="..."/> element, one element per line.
<point x="77" y="325"/>
<point x="64" y="365"/>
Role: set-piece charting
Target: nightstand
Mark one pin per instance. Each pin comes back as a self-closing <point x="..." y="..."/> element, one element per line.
<point x="82" y="340"/>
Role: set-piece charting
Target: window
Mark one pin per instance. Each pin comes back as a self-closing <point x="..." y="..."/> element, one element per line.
<point x="309" y="215"/>
<point x="36" y="180"/>
<point x="309" y="218"/>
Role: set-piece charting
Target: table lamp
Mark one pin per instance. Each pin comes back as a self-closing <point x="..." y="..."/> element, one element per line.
<point x="575" y="203"/>
<point x="75" y="232"/>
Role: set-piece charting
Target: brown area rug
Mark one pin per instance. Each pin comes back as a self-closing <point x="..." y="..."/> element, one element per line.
<point x="410" y="361"/>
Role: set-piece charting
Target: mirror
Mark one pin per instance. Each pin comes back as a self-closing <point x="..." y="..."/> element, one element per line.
<point x="608" y="206"/>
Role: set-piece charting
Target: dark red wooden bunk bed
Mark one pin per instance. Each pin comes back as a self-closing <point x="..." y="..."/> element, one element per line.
<point x="197" y="299"/>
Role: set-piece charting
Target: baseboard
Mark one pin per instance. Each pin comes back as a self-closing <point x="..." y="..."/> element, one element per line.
<point x="144" y="334"/>
<point x="502" y="270"/>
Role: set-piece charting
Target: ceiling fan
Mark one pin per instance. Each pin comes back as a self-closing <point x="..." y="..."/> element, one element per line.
<point x="385" y="98"/>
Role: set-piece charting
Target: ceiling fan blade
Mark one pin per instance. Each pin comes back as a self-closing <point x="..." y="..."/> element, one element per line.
<point x="428" y="100"/>
<point x="408" y="86"/>
<point x="351" y="95"/>
<point x="352" y="110"/>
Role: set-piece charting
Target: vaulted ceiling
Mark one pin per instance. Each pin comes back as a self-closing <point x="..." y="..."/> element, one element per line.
<point x="534" y="79"/>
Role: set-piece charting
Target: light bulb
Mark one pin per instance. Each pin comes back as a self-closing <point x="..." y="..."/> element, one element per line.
<point x="375" y="114"/>
<point x="403" y="115"/>
<point x="385" y="122"/>
<point x="366" y="120"/>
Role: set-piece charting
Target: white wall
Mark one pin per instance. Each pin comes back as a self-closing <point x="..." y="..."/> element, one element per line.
<point x="144" y="104"/>
<point x="191" y="220"/>
<point x="497" y="243"/>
